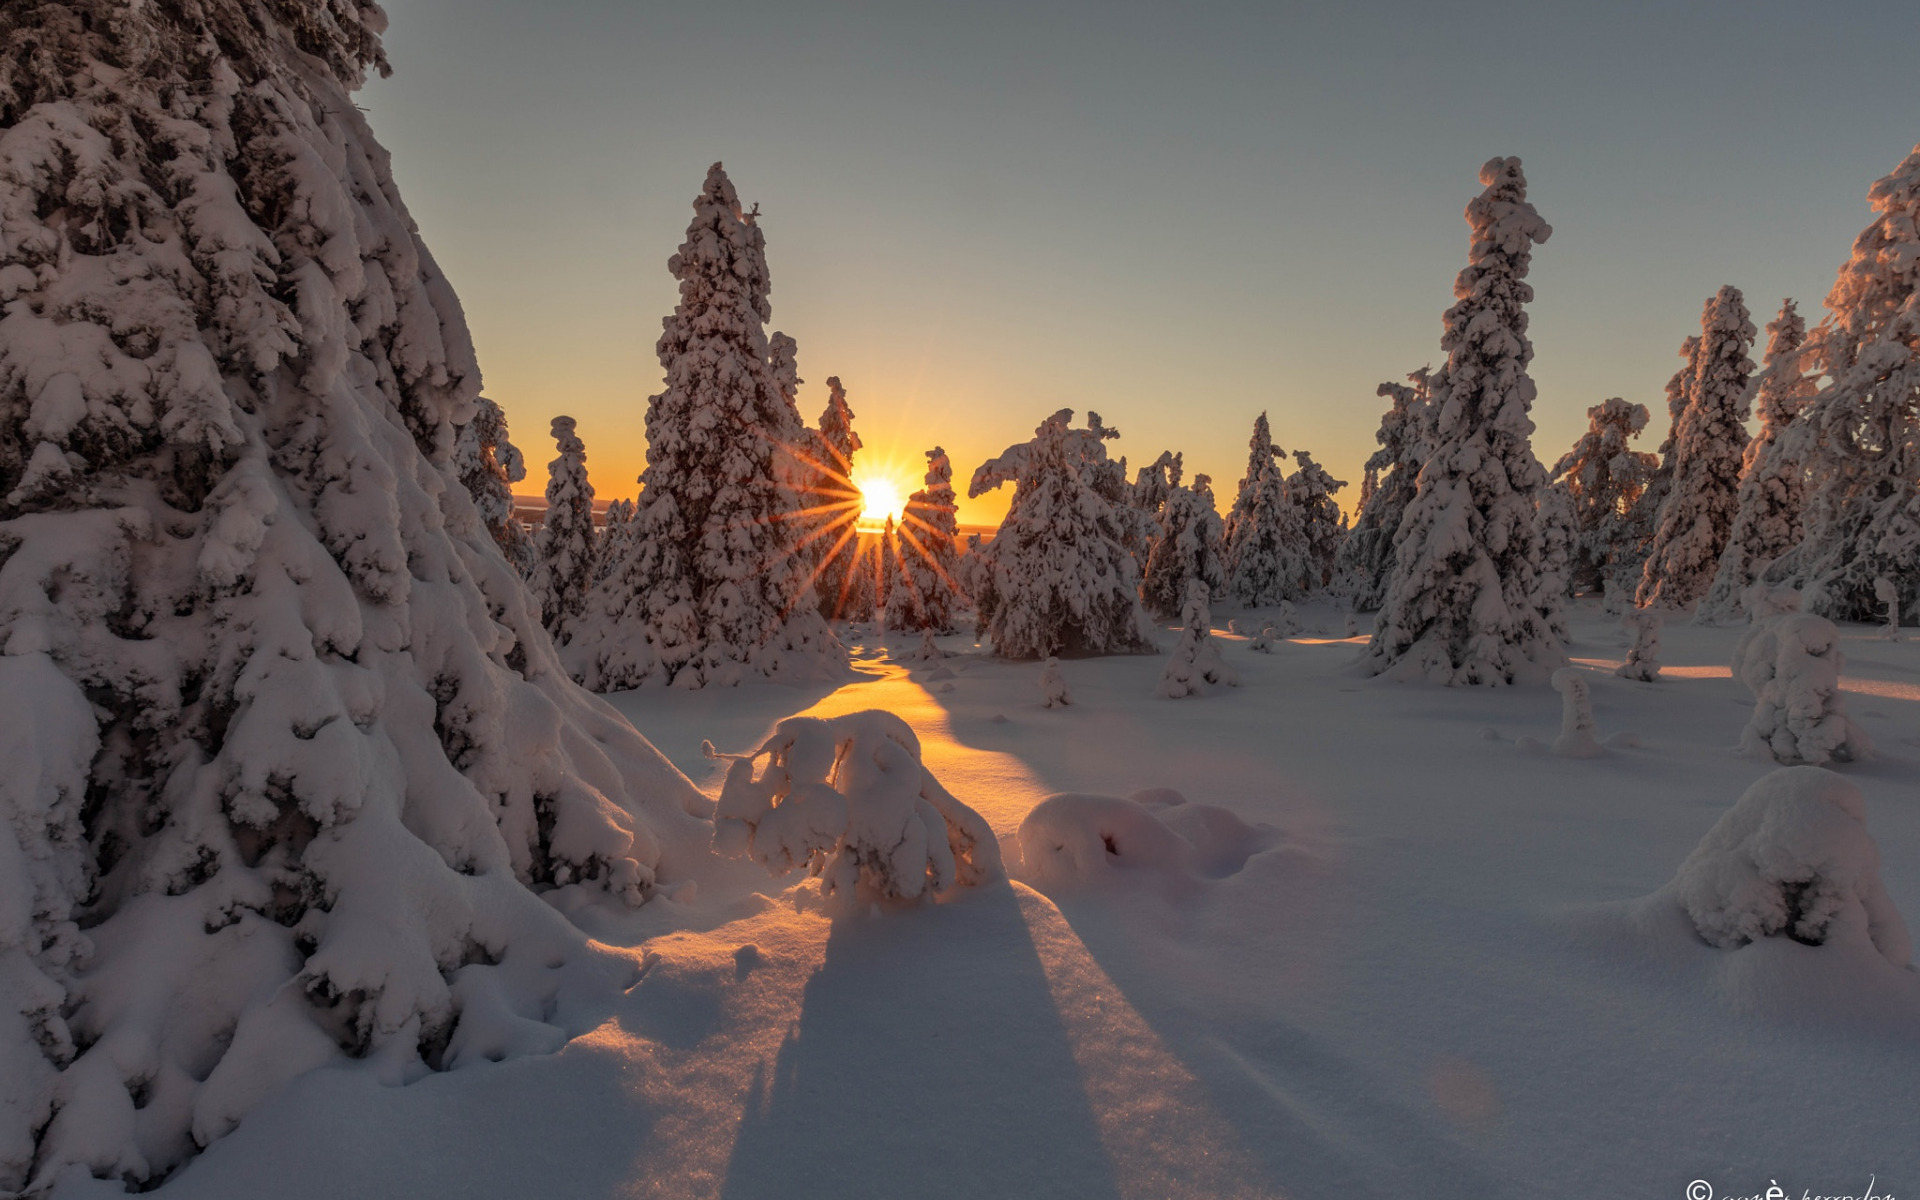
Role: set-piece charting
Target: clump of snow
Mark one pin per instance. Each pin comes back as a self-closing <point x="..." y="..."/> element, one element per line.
<point x="1196" y="665"/>
<point x="1351" y="629"/>
<point x="1793" y="859"/>
<point x="1577" y="727"/>
<point x="1643" y="657"/>
<point x="1077" y="842"/>
<point x="1888" y="593"/>
<point x="1053" y="685"/>
<point x="849" y="799"/>
<point x="1791" y="662"/>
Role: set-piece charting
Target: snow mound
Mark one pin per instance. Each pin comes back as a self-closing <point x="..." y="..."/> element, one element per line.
<point x="1793" y="858"/>
<point x="1577" y="727"/>
<point x="848" y="798"/>
<point x="1076" y="841"/>
<point x="1053" y="685"/>
<point x="1792" y="663"/>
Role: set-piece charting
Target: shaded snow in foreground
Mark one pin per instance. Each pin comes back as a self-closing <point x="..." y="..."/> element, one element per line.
<point x="1434" y="963"/>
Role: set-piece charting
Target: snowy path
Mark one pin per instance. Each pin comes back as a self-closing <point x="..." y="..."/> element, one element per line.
<point x="1429" y="987"/>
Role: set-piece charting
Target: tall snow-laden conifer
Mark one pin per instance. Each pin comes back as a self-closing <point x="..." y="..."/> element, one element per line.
<point x="1604" y="477"/>
<point x="615" y="542"/>
<point x="1057" y="579"/>
<point x="926" y="593"/>
<point x="1365" y="562"/>
<point x="1643" y="520"/>
<point x="1187" y="548"/>
<point x="831" y="506"/>
<point x="1709" y="444"/>
<point x="287" y="750"/>
<point x="567" y="552"/>
<point x="489" y="466"/>
<point x="1862" y="516"/>
<point x="1322" y="525"/>
<point x="1463" y="605"/>
<point x="717" y="588"/>
<point x="1260" y="452"/>
<point x="1766" y="521"/>
<point x="1266" y="549"/>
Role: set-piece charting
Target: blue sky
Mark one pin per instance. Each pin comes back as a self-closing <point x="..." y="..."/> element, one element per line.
<point x="1174" y="215"/>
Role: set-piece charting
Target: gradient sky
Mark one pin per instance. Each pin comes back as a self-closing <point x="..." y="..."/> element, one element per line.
<point x="1174" y="215"/>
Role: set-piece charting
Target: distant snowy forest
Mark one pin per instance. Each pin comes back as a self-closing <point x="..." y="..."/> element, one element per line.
<point x="301" y="722"/>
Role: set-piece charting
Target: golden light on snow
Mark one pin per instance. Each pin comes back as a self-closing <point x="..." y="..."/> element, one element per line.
<point x="882" y="497"/>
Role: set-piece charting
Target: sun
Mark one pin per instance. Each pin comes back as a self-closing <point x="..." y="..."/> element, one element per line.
<point x="880" y="498"/>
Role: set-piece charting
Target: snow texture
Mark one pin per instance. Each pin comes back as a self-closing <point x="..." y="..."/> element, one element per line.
<point x="287" y="751"/>
<point x="1643" y="656"/>
<point x="1709" y="451"/>
<point x="1196" y="666"/>
<point x="1155" y="840"/>
<point x="1464" y="602"/>
<point x="566" y="551"/>
<point x="848" y="799"/>
<point x="1793" y="859"/>
<point x="717" y="587"/>
<point x="1577" y="728"/>
<point x="1792" y="664"/>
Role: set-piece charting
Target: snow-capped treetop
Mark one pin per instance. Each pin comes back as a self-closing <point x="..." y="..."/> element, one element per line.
<point x="1322" y="524"/>
<point x="1188" y="547"/>
<point x="1260" y="452"/>
<point x="566" y="550"/>
<point x="1604" y="478"/>
<point x="489" y="465"/>
<point x="1153" y="482"/>
<point x="927" y="594"/>
<point x="1366" y="553"/>
<point x="1782" y="388"/>
<point x="829" y="505"/>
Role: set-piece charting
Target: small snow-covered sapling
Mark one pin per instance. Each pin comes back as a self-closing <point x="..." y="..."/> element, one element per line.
<point x="1792" y="665"/>
<point x="1195" y="663"/>
<point x="1353" y="626"/>
<point x="1643" y="657"/>
<point x="1053" y="685"/>
<point x="1576" y="738"/>
<point x="1285" y="624"/>
<point x="1888" y="594"/>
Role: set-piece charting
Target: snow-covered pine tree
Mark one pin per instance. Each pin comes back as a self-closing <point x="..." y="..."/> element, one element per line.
<point x="1862" y="516"/>
<point x="1187" y="548"/>
<point x="830" y="506"/>
<point x="1195" y="665"/>
<point x="1267" y="556"/>
<point x="615" y="540"/>
<point x="1146" y="498"/>
<point x="1709" y="445"/>
<point x="1631" y="549"/>
<point x="717" y="588"/>
<point x="567" y="550"/>
<point x="1322" y="525"/>
<point x="927" y="592"/>
<point x="287" y="750"/>
<point x="886" y="570"/>
<point x="1463" y="605"/>
<point x="1553" y="525"/>
<point x="1366" y="554"/>
<point x="489" y="466"/>
<point x="1604" y="477"/>
<point x="1057" y="579"/>
<point x="1260" y="452"/>
<point x="1766" y="520"/>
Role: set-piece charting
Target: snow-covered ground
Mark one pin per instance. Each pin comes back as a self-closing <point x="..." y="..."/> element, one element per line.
<point x="1418" y="963"/>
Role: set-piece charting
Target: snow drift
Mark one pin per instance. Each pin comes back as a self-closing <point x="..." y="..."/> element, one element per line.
<point x="1076" y="842"/>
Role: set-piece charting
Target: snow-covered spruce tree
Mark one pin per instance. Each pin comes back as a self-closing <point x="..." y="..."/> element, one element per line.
<point x="286" y="748"/>
<point x="1196" y="665"/>
<point x="717" y="587"/>
<point x="489" y="466"/>
<point x="1604" y="478"/>
<point x="1322" y="525"/>
<point x="1146" y="499"/>
<point x="616" y="540"/>
<point x="1635" y="543"/>
<point x="1266" y="552"/>
<point x="1709" y="446"/>
<point x="1553" y="525"/>
<point x="830" y="506"/>
<point x="1766" y="520"/>
<point x="1862" y="516"/>
<point x="886" y="570"/>
<point x="1463" y="605"/>
<point x="567" y="551"/>
<point x="1366" y="555"/>
<point x="1057" y="578"/>
<point x="1260" y="452"/>
<point x="926" y="593"/>
<point x="1187" y="548"/>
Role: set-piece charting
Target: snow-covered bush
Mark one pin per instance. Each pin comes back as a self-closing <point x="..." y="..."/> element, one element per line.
<point x="1365" y="562"/>
<point x="927" y="593"/>
<point x="287" y="751"/>
<point x="848" y="799"/>
<point x="1604" y="477"/>
<point x="566" y="550"/>
<point x="1057" y="577"/>
<point x="1053" y="685"/>
<point x="1577" y="727"/>
<point x="1187" y="549"/>
<point x="717" y="587"/>
<point x="1155" y="838"/>
<point x="1793" y="859"/>
<point x="1709" y="449"/>
<point x="1267" y="558"/>
<point x="1643" y="656"/>
<point x="1196" y="665"/>
<point x="1766" y="520"/>
<point x="1464" y="602"/>
<point x="1792" y="664"/>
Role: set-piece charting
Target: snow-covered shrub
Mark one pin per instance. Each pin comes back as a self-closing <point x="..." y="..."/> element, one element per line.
<point x="1053" y="685"/>
<point x="1196" y="665"/>
<point x="286" y="750"/>
<point x="1365" y="562"/>
<point x="1188" y="548"/>
<point x="1709" y="450"/>
<point x="1577" y="727"/>
<point x="1766" y="520"/>
<point x="1888" y="594"/>
<point x="717" y="588"/>
<point x="1604" y="477"/>
<point x="566" y="550"/>
<point x="1643" y="656"/>
<point x="1267" y="557"/>
<point x="1793" y="859"/>
<point x="1862" y="430"/>
<point x="848" y="799"/>
<point x="1464" y="602"/>
<point x="927" y="594"/>
<point x="1792" y="665"/>
<point x="1057" y="577"/>
<point x="1076" y="842"/>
